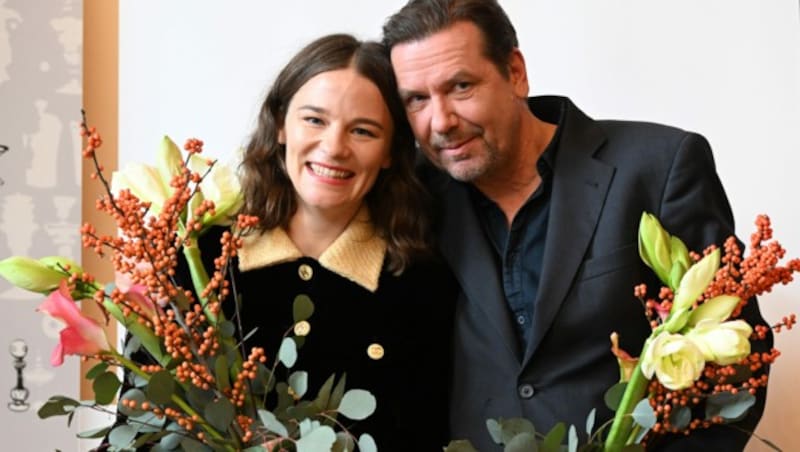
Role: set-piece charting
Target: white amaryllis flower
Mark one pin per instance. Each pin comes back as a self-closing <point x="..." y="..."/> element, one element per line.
<point x="220" y="185"/>
<point x="722" y="343"/>
<point x="144" y="182"/>
<point x="675" y="360"/>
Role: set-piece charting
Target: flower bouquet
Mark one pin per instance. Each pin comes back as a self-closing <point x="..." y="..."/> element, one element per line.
<point x="696" y="369"/>
<point x="189" y="382"/>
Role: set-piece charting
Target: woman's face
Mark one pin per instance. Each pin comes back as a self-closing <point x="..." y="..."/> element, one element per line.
<point x="338" y="134"/>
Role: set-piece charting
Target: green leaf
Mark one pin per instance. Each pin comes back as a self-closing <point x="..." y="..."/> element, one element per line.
<point x="524" y="442"/>
<point x="148" y="422"/>
<point x="160" y="388"/>
<point x="105" y="387"/>
<point x="57" y="406"/>
<point x="302" y="308"/>
<point x="199" y="398"/>
<point x="495" y="430"/>
<point x="729" y="406"/>
<point x="272" y="423"/>
<point x="366" y="443"/>
<point x="320" y="438"/>
<point x="590" y="421"/>
<point x="220" y="413"/>
<point x="357" y="404"/>
<point x="554" y="438"/>
<point x="287" y="354"/>
<point x="633" y="448"/>
<point x="121" y="437"/>
<point x="96" y="370"/>
<point x="264" y="382"/>
<point x="512" y="427"/>
<point x="460" y="445"/>
<point x="324" y="393"/>
<point x="680" y="417"/>
<point x="299" y="382"/>
<point x="643" y="414"/>
<point x="222" y="373"/>
<point x="147" y="439"/>
<point x="95" y="433"/>
<point x="613" y="396"/>
<point x="338" y="393"/>
<point x="135" y="395"/>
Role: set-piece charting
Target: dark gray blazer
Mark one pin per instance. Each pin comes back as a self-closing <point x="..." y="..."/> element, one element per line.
<point x="606" y="174"/>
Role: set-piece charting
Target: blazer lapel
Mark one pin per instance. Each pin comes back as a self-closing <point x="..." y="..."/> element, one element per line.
<point x="464" y="246"/>
<point x="580" y="185"/>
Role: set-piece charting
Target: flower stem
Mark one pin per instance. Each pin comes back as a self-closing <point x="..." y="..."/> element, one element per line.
<point x="619" y="435"/>
<point x="199" y="275"/>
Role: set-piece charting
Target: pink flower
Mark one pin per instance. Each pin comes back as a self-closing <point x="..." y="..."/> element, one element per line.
<point x="82" y="335"/>
<point x="136" y="293"/>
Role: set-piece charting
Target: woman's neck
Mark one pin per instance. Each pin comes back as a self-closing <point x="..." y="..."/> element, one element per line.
<point x="313" y="231"/>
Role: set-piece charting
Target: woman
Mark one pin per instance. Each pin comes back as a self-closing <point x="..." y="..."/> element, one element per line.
<point x="329" y="173"/>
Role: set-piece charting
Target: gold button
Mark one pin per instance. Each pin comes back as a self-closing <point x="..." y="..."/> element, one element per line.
<point x="375" y="351"/>
<point x="302" y="328"/>
<point x="305" y="271"/>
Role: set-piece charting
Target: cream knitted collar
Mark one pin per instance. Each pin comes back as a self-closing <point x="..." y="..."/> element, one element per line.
<point x="357" y="254"/>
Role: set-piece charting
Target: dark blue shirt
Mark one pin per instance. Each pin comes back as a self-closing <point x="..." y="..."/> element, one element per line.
<point x="520" y="248"/>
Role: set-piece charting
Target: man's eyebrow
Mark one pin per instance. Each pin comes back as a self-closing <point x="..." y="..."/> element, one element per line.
<point x="457" y="77"/>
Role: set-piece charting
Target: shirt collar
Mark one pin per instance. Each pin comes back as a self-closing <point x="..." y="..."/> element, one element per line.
<point x="357" y="254"/>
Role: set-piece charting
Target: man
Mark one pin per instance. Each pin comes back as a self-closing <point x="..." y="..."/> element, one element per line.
<point x="539" y="220"/>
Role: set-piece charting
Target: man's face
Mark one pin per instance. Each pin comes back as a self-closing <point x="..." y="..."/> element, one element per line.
<point x="465" y="114"/>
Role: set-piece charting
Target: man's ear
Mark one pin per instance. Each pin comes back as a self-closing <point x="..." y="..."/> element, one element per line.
<point x="518" y="73"/>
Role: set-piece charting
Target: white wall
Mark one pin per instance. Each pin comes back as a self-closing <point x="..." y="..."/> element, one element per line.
<point x="728" y="69"/>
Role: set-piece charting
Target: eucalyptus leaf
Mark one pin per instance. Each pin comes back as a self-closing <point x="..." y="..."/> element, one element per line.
<point x="220" y="413"/>
<point x="172" y="439"/>
<point x="460" y="446"/>
<point x="192" y="445"/>
<point x="680" y="417"/>
<point x="510" y="428"/>
<point x="298" y="381"/>
<point x="524" y="442"/>
<point x="495" y="430"/>
<point x="121" y="436"/>
<point x="272" y="423"/>
<point x="572" y="439"/>
<point x="287" y="354"/>
<point x="161" y="388"/>
<point x="199" y="398"/>
<point x="227" y="329"/>
<point x="729" y="406"/>
<point x="135" y="395"/>
<point x="643" y="414"/>
<point x="324" y="393"/>
<point x="366" y="443"/>
<point x="590" y="421"/>
<point x="613" y="395"/>
<point x="264" y="382"/>
<point x="105" y="387"/>
<point x="320" y="438"/>
<point x="302" y="308"/>
<point x="96" y="370"/>
<point x="132" y="345"/>
<point x="554" y="438"/>
<point x="344" y="443"/>
<point x="147" y="439"/>
<point x="148" y="422"/>
<point x="357" y="404"/>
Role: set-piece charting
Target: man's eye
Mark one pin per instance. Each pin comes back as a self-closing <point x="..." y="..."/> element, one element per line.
<point x="364" y="132"/>
<point x="415" y="101"/>
<point x="462" y="86"/>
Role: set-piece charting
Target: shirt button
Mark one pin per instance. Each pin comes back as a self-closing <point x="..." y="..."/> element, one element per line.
<point x="525" y="391"/>
<point x="521" y="319"/>
<point x="305" y="271"/>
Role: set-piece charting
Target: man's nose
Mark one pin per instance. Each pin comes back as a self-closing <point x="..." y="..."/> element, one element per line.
<point x="443" y="117"/>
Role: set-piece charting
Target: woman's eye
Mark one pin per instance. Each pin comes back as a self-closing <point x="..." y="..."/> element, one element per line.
<point x="313" y="120"/>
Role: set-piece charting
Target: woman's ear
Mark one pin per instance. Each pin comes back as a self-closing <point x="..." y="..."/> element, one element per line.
<point x="281" y="136"/>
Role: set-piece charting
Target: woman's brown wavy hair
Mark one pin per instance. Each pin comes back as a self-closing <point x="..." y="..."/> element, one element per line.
<point x="397" y="203"/>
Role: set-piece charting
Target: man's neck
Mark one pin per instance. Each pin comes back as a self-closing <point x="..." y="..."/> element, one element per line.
<point x="511" y="185"/>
